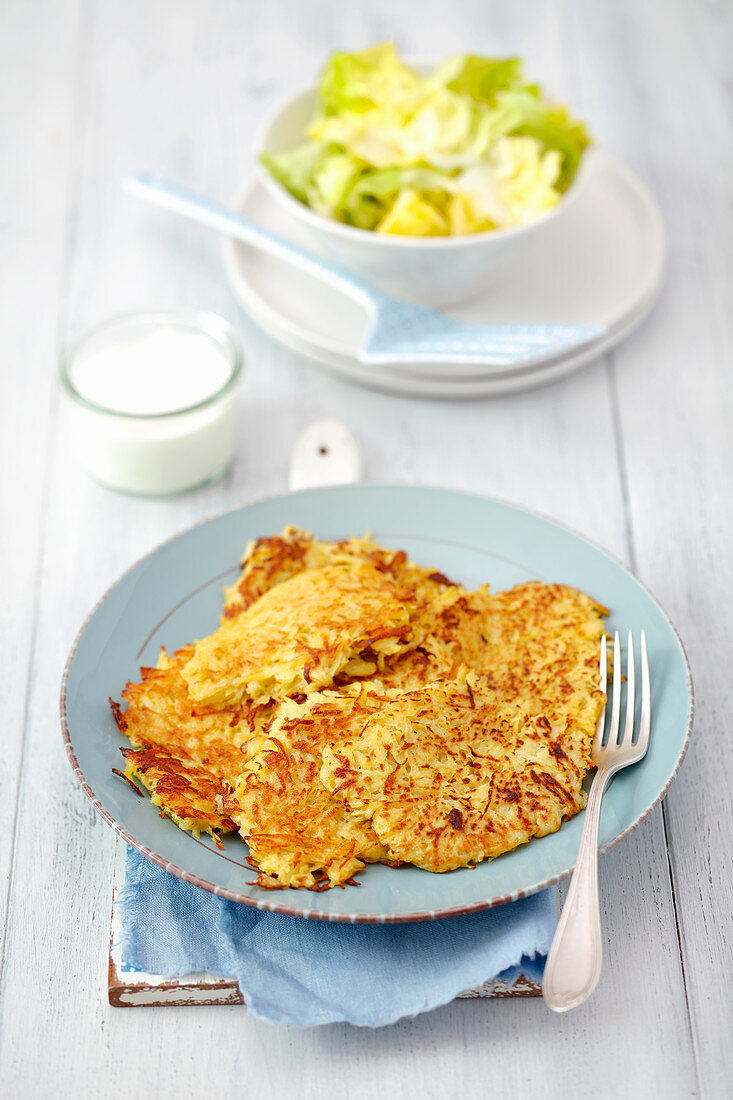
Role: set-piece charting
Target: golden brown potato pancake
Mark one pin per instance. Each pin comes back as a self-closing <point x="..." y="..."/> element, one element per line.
<point x="187" y="757"/>
<point x="298" y="834"/>
<point x="271" y="560"/>
<point x="354" y="706"/>
<point x="452" y="773"/>
<point x="302" y="633"/>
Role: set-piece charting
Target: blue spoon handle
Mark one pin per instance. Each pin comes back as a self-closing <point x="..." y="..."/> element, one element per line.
<point x="181" y="201"/>
<point x="399" y="330"/>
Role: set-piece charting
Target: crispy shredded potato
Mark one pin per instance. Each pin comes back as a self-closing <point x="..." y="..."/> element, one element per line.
<point x="355" y="707"/>
<point x="297" y="832"/>
<point x="301" y="634"/>
<point x="453" y="773"/>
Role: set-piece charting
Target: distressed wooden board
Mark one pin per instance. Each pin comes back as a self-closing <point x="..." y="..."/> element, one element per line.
<point x="128" y="988"/>
<point x="635" y="452"/>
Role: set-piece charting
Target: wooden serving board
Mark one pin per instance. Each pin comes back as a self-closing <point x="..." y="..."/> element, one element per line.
<point x="130" y="988"/>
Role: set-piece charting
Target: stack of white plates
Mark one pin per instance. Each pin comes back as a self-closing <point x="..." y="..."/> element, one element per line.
<point x="599" y="263"/>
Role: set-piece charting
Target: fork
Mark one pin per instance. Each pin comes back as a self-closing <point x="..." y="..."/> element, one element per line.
<point x="574" y="964"/>
<point x="398" y="331"/>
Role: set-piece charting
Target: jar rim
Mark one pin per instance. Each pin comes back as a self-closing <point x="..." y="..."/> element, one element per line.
<point x="209" y="324"/>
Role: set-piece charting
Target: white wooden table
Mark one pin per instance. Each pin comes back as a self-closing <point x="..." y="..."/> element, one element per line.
<point x="636" y="451"/>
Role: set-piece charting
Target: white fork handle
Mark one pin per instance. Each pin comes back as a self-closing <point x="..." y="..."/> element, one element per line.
<point x="574" y="964"/>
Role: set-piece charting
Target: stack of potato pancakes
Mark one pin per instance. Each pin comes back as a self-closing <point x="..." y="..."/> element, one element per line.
<point x="354" y="707"/>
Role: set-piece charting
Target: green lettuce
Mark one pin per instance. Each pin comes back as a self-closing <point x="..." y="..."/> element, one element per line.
<point x="481" y="78"/>
<point x="473" y="146"/>
<point x="358" y="81"/>
<point x="295" y="170"/>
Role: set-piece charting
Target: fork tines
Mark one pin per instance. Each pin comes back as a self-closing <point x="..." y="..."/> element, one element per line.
<point x="612" y="738"/>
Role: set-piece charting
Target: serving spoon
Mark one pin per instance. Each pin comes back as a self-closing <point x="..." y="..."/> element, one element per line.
<point x="398" y="331"/>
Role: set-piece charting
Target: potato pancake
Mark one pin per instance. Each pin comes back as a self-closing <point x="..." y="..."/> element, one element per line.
<point x="188" y="758"/>
<point x="269" y="561"/>
<point x="300" y="634"/>
<point x="529" y="641"/>
<point x="298" y="834"/>
<point x="355" y="707"/>
<point x="453" y="773"/>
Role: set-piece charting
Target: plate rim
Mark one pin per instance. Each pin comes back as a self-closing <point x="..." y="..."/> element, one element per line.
<point x="381" y="379"/>
<point x="362" y="918"/>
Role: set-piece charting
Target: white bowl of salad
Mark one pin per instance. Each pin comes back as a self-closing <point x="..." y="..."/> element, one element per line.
<point x="426" y="180"/>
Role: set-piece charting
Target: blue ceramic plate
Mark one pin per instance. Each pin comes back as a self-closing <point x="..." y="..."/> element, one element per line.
<point x="174" y="595"/>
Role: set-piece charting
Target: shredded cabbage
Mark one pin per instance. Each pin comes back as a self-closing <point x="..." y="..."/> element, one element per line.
<point x="471" y="147"/>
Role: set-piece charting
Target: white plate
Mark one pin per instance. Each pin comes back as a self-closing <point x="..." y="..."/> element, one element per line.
<point x="387" y="379"/>
<point x="600" y="263"/>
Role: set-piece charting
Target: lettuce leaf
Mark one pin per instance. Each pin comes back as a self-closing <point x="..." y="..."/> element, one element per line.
<point x="295" y="170"/>
<point x="375" y="194"/>
<point x="358" y="81"/>
<point x="480" y="78"/>
<point x="471" y="147"/>
<point x="514" y="187"/>
<point x="412" y="215"/>
<point x="551" y="124"/>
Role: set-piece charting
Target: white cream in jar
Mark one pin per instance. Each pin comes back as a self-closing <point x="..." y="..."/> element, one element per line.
<point x="152" y="398"/>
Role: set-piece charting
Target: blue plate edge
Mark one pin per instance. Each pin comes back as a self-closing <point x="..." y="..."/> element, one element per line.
<point x="386" y="918"/>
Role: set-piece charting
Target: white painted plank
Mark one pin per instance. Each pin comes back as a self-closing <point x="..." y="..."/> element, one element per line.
<point x="676" y="411"/>
<point x="37" y="93"/>
<point x="178" y="88"/>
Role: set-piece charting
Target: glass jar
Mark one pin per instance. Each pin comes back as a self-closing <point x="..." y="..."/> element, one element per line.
<point x="152" y="397"/>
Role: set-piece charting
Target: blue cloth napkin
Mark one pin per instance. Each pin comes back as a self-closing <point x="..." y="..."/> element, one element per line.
<point x="310" y="972"/>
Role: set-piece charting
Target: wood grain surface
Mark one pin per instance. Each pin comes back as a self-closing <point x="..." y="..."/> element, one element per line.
<point x="636" y="452"/>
